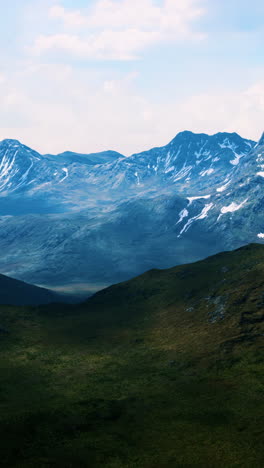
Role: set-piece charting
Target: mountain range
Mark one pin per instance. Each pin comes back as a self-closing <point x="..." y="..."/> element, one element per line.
<point x="86" y="221"/>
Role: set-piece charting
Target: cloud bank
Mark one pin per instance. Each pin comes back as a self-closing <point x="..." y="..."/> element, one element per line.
<point x="121" y="30"/>
<point x="128" y="75"/>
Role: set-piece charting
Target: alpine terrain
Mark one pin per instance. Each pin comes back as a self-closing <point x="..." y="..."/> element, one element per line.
<point x="86" y="221"/>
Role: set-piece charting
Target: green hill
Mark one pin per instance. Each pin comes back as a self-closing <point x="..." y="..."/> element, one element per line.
<point x="165" y="370"/>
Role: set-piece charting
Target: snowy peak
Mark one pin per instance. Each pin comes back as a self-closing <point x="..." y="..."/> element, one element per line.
<point x="190" y="162"/>
<point x="229" y="147"/>
<point x="11" y="147"/>
<point x="191" y="165"/>
<point x="16" y="165"/>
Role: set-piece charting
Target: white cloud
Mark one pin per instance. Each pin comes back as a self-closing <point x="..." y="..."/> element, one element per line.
<point x="2" y="78"/>
<point x="110" y="45"/>
<point x="240" y="111"/>
<point x="121" y="29"/>
<point x="88" y="111"/>
<point x="122" y="14"/>
<point x="74" y="18"/>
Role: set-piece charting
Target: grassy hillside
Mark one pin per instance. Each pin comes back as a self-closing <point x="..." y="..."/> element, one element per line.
<point x="165" y="370"/>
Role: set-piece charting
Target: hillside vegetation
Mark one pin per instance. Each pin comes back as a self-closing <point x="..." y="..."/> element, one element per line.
<point x="165" y="370"/>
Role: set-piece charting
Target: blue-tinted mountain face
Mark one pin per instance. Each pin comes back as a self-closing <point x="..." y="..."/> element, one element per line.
<point x="58" y="183"/>
<point x="69" y="157"/>
<point x="32" y="183"/>
<point x="103" y="218"/>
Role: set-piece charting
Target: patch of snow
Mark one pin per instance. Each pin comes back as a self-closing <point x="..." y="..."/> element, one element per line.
<point x="191" y="199"/>
<point x="223" y="187"/>
<point x="226" y="144"/>
<point x="66" y="172"/>
<point x="209" y="157"/>
<point x="233" y="207"/>
<point x="167" y="160"/>
<point x="169" y="170"/>
<point x="136" y="174"/>
<point x="235" y="161"/>
<point x="208" y="172"/>
<point x="202" y="215"/>
<point x="261" y="235"/>
<point x="205" y="211"/>
<point x="183" y="214"/>
<point x="184" y="171"/>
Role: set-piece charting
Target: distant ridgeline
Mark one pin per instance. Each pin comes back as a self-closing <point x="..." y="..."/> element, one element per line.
<point x="97" y="219"/>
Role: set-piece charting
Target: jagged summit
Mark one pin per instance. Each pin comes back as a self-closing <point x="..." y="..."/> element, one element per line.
<point x="187" y="135"/>
<point x="219" y="137"/>
<point x="10" y="142"/>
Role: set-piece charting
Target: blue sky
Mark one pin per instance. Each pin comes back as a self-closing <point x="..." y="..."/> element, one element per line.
<point x="89" y="75"/>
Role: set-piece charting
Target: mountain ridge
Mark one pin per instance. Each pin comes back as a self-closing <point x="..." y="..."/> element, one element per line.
<point x="191" y="198"/>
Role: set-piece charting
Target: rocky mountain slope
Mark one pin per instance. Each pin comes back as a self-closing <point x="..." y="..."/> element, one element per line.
<point x="71" y="222"/>
<point x="188" y="163"/>
<point x="163" y="370"/>
<point x="33" y="183"/>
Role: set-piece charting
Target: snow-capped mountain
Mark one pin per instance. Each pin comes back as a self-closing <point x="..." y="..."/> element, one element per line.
<point x="33" y="183"/>
<point x="189" y="163"/>
<point x="107" y="222"/>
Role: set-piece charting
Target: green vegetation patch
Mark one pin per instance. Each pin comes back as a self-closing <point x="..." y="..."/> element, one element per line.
<point x="165" y="370"/>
